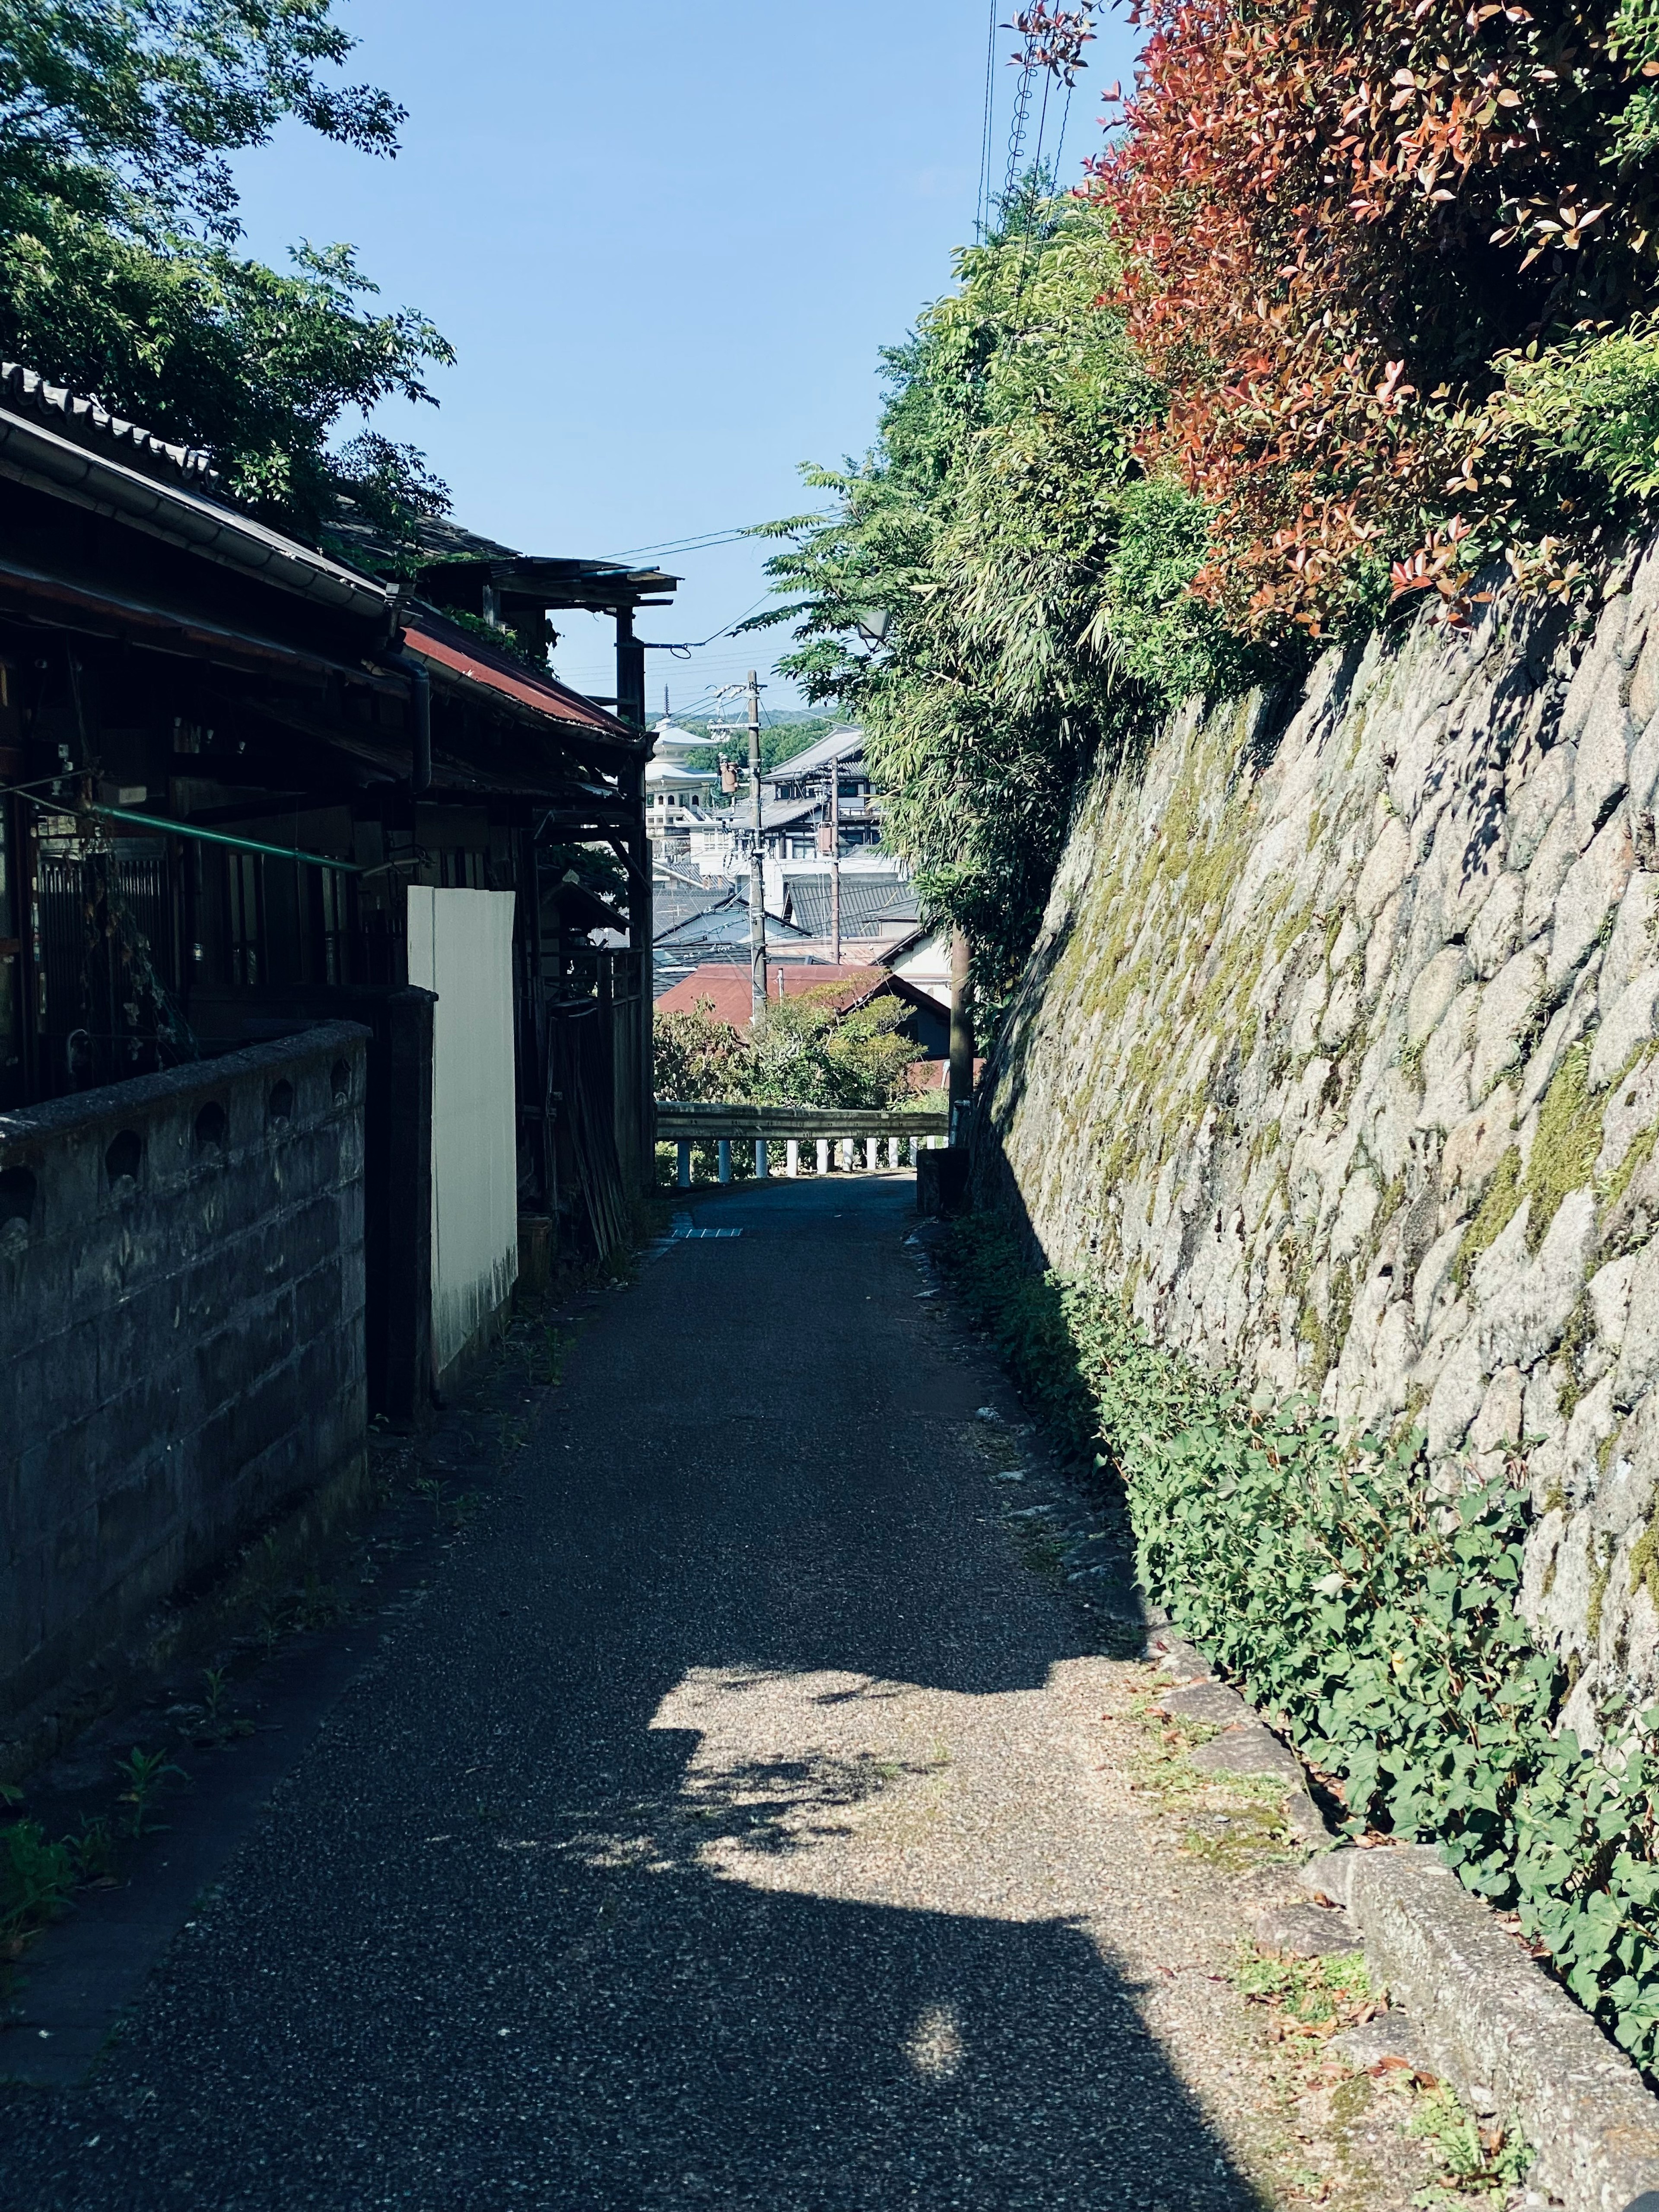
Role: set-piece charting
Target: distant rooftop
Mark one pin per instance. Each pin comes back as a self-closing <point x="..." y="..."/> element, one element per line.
<point x="867" y="902"/>
<point x="833" y="745"/>
<point x="730" y="989"/>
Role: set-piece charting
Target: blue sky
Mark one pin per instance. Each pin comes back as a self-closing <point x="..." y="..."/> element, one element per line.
<point x="667" y="241"/>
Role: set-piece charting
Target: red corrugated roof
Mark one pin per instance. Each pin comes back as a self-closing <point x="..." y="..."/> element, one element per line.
<point x="549" y="699"/>
<point x="733" y="992"/>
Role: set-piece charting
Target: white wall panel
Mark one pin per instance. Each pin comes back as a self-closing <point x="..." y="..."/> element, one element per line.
<point x="460" y="945"/>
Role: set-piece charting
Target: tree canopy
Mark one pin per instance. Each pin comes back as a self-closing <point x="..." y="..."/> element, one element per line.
<point x="1349" y="232"/>
<point x="1000" y="586"/>
<point x="121" y="272"/>
<point x="804" y="1051"/>
<point x="1358" y="298"/>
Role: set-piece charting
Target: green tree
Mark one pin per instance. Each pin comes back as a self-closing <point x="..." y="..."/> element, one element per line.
<point x="699" y="1059"/>
<point x="808" y="1052"/>
<point x="812" y="1051"/>
<point x="120" y="272"/>
<point x="779" y="742"/>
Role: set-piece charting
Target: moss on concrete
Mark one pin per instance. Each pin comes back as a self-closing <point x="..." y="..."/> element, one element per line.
<point x="1644" y="1561"/>
<point x="1496" y="1211"/>
<point x="1562" y="1157"/>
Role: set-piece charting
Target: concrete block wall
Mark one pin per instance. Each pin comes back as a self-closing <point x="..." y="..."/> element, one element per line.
<point x="181" y="1334"/>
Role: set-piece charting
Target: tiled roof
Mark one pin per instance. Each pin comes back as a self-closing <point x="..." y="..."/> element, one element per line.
<point x="775" y="813"/>
<point x="436" y="539"/>
<point x="89" y="424"/>
<point x="867" y="900"/>
<point x="726" y="924"/>
<point x="673" y="905"/>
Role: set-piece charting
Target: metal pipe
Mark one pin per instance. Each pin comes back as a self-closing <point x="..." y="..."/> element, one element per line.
<point x="835" y="860"/>
<point x="169" y="828"/>
<point x="420" y="699"/>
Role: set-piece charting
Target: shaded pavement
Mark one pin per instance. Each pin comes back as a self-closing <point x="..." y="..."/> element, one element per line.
<point x="709" y="1836"/>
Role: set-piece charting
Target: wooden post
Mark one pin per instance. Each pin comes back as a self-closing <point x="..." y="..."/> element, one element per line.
<point x="962" y="1038"/>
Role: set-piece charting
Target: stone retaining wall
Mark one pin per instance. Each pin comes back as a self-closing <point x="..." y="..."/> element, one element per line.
<point x="1340" y="1056"/>
<point x="181" y="1334"/>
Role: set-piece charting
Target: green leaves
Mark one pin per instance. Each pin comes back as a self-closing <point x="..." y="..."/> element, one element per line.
<point x="959" y="599"/>
<point x="119" y="273"/>
<point x="128" y="108"/>
<point x="1375" y="1620"/>
<point x="805" y="1051"/>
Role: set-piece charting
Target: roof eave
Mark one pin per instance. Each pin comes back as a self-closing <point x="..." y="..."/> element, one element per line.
<point x="32" y="455"/>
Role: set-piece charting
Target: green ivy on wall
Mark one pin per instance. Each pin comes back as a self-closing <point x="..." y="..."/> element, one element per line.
<point x="1373" y="1619"/>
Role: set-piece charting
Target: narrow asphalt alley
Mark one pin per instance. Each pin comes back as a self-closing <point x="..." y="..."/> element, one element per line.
<point x="715" y="1833"/>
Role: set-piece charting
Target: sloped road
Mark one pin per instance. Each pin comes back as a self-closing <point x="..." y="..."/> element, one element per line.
<point x="717" y="1834"/>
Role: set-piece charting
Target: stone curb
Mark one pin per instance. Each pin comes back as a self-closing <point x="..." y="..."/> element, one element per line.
<point x="1489" y="2019"/>
<point x="1245" y="1744"/>
<point x="1484" y="2015"/>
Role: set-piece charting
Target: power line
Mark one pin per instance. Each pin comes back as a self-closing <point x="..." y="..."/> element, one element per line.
<point x="1060" y="144"/>
<point x="1042" y="120"/>
<point x="707" y="539"/>
<point x="982" y="205"/>
<point x="689" y="544"/>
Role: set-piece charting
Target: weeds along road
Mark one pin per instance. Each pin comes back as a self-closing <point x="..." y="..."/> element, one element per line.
<point x="719" y="1831"/>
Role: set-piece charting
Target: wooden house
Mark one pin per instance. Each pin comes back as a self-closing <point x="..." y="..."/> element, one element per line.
<point x="246" y="785"/>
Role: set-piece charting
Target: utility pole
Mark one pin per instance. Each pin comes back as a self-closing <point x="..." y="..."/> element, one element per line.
<point x="631" y="708"/>
<point x="835" y="860"/>
<point x="757" y="866"/>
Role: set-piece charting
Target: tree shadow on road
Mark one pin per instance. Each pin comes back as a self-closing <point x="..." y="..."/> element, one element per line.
<point x="509" y="1937"/>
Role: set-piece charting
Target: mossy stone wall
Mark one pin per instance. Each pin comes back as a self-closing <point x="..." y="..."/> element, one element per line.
<point x="1339" y="1056"/>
